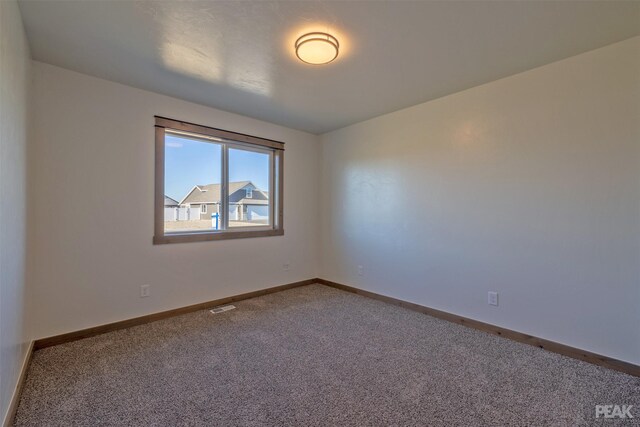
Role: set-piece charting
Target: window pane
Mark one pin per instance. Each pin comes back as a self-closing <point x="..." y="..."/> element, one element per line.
<point x="192" y="184"/>
<point x="249" y="188"/>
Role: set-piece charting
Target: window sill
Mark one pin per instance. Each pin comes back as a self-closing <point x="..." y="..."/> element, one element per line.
<point x="220" y="235"/>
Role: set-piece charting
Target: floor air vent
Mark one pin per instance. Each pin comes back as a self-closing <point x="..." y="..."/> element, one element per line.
<point x="222" y="309"/>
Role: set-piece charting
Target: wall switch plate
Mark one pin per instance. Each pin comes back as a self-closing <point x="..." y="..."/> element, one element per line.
<point x="286" y="266"/>
<point x="145" y="291"/>
<point x="493" y="298"/>
<point x="360" y="270"/>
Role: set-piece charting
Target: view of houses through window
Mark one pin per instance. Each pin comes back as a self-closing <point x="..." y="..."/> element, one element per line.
<point x="193" y="185"/>
<point x="249" y="193"/>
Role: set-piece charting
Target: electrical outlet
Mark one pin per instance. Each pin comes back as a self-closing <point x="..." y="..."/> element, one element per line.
<point x="360" y="270"/>
<point x="286" y="266"/>
<point x="145" y="291"/>
<point x="493" y="298"/>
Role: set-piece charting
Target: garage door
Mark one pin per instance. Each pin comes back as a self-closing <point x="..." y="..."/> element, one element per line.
<point x="255" y="212"/>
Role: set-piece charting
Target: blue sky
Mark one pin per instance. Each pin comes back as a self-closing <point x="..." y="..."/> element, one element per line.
<point x="189" y="163"/>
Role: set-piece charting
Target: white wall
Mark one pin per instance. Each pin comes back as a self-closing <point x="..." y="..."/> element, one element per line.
<point x="529" y="186"/>
<point x="93" y="171"/>
<point x="14" y="93"/>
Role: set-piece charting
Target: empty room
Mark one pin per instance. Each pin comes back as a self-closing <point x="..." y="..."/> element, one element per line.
<point x="319" y="213"/>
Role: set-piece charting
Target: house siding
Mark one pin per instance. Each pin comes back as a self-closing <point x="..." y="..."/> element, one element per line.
<point x="212" y="208"/>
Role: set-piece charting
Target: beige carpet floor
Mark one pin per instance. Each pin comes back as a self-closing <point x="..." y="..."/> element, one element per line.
<point x="314" y="356"/>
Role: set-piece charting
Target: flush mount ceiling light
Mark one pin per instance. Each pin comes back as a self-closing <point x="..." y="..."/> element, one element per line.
<point x="317" y="48"/>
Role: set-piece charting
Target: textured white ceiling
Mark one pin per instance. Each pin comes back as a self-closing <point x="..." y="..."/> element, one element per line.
<point x="238" y="55"/>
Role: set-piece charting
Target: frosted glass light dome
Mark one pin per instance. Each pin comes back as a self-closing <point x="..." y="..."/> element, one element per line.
<point x="317" y="48"/>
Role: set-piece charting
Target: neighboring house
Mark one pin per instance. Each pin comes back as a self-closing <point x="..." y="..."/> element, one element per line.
<point x="173" y="211"/>
<point x="246" y="201"/>
<point x="170" y="203"/>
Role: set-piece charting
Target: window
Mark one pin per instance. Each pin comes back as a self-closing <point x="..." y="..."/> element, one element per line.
<point x="228" y="185"/>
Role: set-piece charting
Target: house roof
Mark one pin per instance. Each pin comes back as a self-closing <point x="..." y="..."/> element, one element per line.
<point x="210" y="193"/>
<point x="168" y="201"/>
